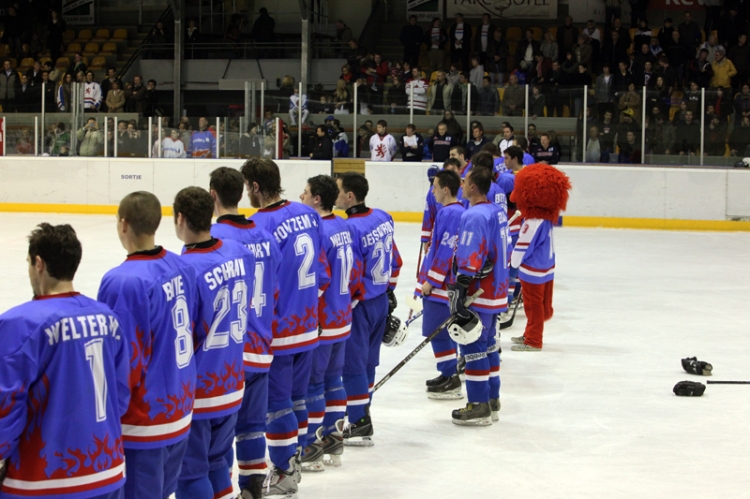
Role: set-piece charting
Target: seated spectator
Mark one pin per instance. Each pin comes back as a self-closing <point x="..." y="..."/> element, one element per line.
<point x="396" y="99"/>
<point x="514" y="98"/>
<point x="742" y="105"/>
<point x="723" y="69"/>
<point x="24" y="144"/>
<point x="714" y="136"/>
<point x="626" y="125"/>
<point x="622" y="79"/>
<point x="115" y="98"/>
<point x="721" y="101"/>
<point x="688" y="136"/>
<point x="251" y="144"/>
<point x="411" y="145"/>
<point x="477" y="141"/>
<point x="542" y="67"/>
<point x="489" y="100"/>
<point x="342" y="98"/>
<point x="546" y="152"/>
<point x="631" y="101"/>
<point x="526" y="49"/>
<point x="630" y="152"/>
<point x="661" y="135"/>
<point x="531" y="137"/>
<point x="504" y="140"/>
<point x="537" y="102"/>
<point x="298" y="105"/>
<point x="593" y="147"/>
<point x="655" y="48"/>
<point x="643" y="34"/>
<point x="739" y="54"/>
<point x="454" y="127"/>
<point x="739" y="139"/>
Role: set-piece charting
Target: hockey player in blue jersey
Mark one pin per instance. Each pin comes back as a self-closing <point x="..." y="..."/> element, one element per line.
<point x="224" y="276"/>
<point x="153" y="294"/>
<point x="514" y="161"/>
<point x="64" y="383"/>
<point x="432" y="207"/>
<point x="227" y="185"/>
<point x="202" y="141"/>
<point x="372" y="233"/>
<point x="326" y="397"/>
<point x="296" y="228"/>
<point x="480" y="262"/>
<point x="434" y="277"/>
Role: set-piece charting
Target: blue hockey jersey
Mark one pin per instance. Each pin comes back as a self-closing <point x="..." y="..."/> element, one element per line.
<point x="335" y="306"/>
<point x="483" y="236"/>
<point x="431" y="207"/>
<point x="224" y="276"/>
<point x="437" y="265"/>
<point x="534" y="254"/>
<point x="63" y="388"/>
<point x="258" y="352"/>
<point x="202" y="144"/>
<point x="153" y="294"/>
<point x="296" y="228"/>
<point x="372" y="232"/>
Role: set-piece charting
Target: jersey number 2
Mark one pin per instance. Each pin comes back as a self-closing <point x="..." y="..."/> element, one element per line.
<point x="218" y="339"/>
<point x="380" y="273"/>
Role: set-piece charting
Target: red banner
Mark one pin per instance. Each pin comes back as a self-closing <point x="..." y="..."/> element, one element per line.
<point x="675" y="4"/>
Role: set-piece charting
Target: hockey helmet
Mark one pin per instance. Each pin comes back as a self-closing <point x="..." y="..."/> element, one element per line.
<point x="431" y="172"/>
<point x="395" y="332"/>
<point x="465" y="331"/>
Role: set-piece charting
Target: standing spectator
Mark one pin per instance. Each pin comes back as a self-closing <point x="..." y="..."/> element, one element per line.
<point x="383" y="146"/>
<point x="62" y="95"/>
<point x="202" y="141"/>
<point x="622" y="31"/>
<point x="723" y="69"/>
<point x="555" y="79"/>
<point x="78" y="65"/>
<point x="567" y="34"/>
<point x="542" y="66"/>
<point x="159" y="37"/>
<point x="693" y="98"/>
<point x="482" y="39"/>
<point x="526" y="50"/>
<point x="531" y="138"/>
<point x="721" y="101"/>
<point x="690" y="32"/>
<point x="152" y="99"/>
<point x="107" y="86"/>
<point x="672" y="75"/>
<point x="115" y="98"/>
<point x="665" y="34"/>
<point x="173" y="146"/>
<point x="583" y="51"/>
<point x="730" y="26"/>
<point x="714" y="136"/>
<point x="465" y="87"/>
<point x="135" y="95"/>
<point x="9" y="84"/>
<point x="592" y="32"/>
<point x="477" y="72"/>
<point x="439" y="94"/>
<point x="397" y="98"/>
<point x="34" y="74"/>
<point x="477" y="141"/>
<point x="711" y="45"/>
<point x="340" y="141"/>
<point x="699" y="70"/>
<point x="549" y="47"/>
<point x="593" y="146"/>
<point x="546" y="151"/>
<point x="55" y="29"/>
<point x="739" y="139"/>
<point x="654" y="47"/>
<point x="514" y="98"/>
<point x="26" y="98"/>
<point x="537" y="103"/>
<point x="193" y="34"/>
<point x="626" y="125"/>
<point x="631" y="101"/>
<point x="375" y="70"/>
<point x="251" y="144"/>
<point x="416" y="91"/>
<point x="614" y="51"/>
<point x="411" y="38"/>
<point x="603" y="92"/>
<point x="435" y="38"/>
<point x="497" y="57"/>
<point x="612" y="11"/>
<point x="460" y="37"/>
<point x="504" y="140"/>
<point x="742" y="105"/>
<point x="344" y="33"/>
<point x="489" y="100"/>
<point x="630" y="152"/>
<point x="90" y="139"/>
<point x="92" y="98"/>
<point x="643" y="56"/>
<point x="411" y="145"/>
<point x="60" y="139"/>
<point x="13" y="33"/>
<point x="441" y="143"/>
<point x="607" y="133"/>
<point x="49" y="92"/>
<point x="322" y="144"/>
<point x="688" y="136"/>
<point x="263" y="31"/>
<point x="739" y="54"/>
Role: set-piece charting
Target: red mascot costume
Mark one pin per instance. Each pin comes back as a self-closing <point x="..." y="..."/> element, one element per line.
<point x="540" y="192"/>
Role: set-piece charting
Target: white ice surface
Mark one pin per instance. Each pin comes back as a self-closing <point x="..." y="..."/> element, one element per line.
<point x="591" y="416"/>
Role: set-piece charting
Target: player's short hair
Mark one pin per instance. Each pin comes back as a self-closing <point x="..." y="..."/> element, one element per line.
<point x="228" y="184"/>
<point x="383" y="123"/>
<point x="265" y="173"/>
<point x="356" y="183"/>
<point x="459" y="150"/>
<point x="491" y="148"/>
<point x="142" y="211"/>
<point x="59" y="247"/>
<point x="325" y="187"/>
<point x="516" y="153"/>
<point x="449" y="179"/>
<point x="452" y="162"/>
<point x="483" y="159"/>
<point x="197" y="206"/>
<point x="482" y="178"/>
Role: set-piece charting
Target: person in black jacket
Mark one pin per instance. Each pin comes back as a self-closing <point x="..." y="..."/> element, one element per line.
<point x="460" y="37"/>
<point x="411" y="145"/>
<point x="322" y="145"/>
<point x="411" y="38"/>
<point x="441" y="143"/>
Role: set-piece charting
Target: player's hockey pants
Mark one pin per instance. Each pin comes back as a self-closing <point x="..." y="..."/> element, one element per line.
<point x="444" y="348"/>
<point x="477" y="364"/>
<point x="326" y="397"/>
<point x="153" y="472"/>
<point x="537" y="304"/>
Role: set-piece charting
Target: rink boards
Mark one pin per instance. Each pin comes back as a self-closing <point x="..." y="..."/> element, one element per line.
<point x="606" y="196"/>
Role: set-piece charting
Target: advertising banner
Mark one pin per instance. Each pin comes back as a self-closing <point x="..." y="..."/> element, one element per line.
<point x="425" y="10"/>
<point x="78" y="12"/>
<point x="504" y="9"/>
<point x="676" y="4"/>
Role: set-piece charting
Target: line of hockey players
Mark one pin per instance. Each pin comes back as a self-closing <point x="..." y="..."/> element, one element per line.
<point x="265" y="333"/>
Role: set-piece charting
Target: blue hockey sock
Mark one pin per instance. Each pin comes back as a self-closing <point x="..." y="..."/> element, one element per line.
<point x="316" y="410"/>
<point x="357" y="395"/>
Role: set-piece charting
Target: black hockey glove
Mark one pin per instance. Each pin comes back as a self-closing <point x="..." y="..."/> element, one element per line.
<point x="689" y="389"/>
<point x="392" y="301"/>
<point x="692" y="365"/>
<point x="457" y="296"/>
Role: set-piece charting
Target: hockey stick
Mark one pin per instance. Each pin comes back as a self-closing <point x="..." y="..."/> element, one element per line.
<point x="419" y="265"/>
<point x="412" y="319"/>
<point x="712" y="382"/>
<point x="424" y="343"/>
<point x="507" y="324"/>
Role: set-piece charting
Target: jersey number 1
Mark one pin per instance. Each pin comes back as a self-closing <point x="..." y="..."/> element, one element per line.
<point x="95" y="356"/>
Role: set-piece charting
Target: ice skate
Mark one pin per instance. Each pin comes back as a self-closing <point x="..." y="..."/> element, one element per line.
<point x="473" y="415"/>
<point x="517" y="339"/>
<point x="254" y="489"/>
<point x="495" y="409"/>
<point x="523" y="347"/>
<point x="312" y="456"/>
<point x="333" y="446"/>
<point x="359" y="434"/>
<point x="435" y="381"/>
<point x="282" y="483"/>
<point x="446" y="389"/>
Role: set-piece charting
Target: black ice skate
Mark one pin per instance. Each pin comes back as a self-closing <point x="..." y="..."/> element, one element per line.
<point x="495" y="408"/>
<point x="254" y="489"/>
<point x="435" y="381"/>
<point x="359" y="433"/>
<point x="473" y="415"/>
<point x="446" y="389"/>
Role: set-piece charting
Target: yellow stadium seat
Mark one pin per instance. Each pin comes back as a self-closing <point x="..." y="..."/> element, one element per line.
<point x="553" y="32"/>
<point x="72" y="49"/>
<point x="120" y="34"/>
<point x="84" y="36"/>
<point x="91" y="49"/>
<point x="62" y="63"/>
<point x="27" y="62"/>
<point x="514" y="33"/>
<point x="108" y="48"/>
<point x="98" y="63"/>
<point x="69" y="36"/>
<point x="102" y="35"/>
<point x="537" y="33"/>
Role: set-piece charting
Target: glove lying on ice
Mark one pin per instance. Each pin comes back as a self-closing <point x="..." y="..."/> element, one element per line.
<point x="692" y="365"/>
<point x="689" y="389"/>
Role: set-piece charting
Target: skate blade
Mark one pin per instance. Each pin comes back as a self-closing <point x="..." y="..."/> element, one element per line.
<point x="314" y="467"/>
<point x="359" y="442"/>
<point x="285" y="495"/>
<point x="457" y="395"/>
<point x="495" y="416"/>
<point x="333" y="460"/>
<point x="486" y="421"/>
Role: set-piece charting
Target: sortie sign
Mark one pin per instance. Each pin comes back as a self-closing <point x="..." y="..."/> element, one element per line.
<point x="504" y="9"/>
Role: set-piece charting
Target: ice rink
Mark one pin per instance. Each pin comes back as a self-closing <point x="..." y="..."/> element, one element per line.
<point x="591" y="416"/>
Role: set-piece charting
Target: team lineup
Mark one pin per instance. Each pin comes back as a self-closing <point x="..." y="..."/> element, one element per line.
<point x="258" y="345"/>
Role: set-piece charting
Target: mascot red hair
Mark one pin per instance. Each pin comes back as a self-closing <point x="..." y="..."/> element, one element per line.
<point x="540" y="193"/>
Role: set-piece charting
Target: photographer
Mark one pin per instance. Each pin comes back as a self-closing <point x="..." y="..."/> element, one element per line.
<point x="90" y="139"/>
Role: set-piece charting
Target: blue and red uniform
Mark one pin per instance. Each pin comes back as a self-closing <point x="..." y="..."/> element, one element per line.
<point x="296" y="228"/>
<point x="153" y="294"/>
<point x="482" y="238"/>
<point x="534" y="257"/>
<point x="326" y="397"/>
<point x="436" y="269"/>
<point x="225" y="276"/>
<point x="251" y="419"/>
<point x="64" y="385"/>
<point x="372" y="235"/>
